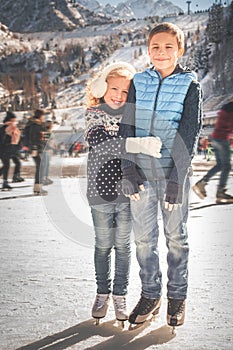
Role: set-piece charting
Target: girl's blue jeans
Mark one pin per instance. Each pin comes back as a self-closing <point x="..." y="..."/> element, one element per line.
<point x="112" y="225"/>
<point x="146" y="230"/>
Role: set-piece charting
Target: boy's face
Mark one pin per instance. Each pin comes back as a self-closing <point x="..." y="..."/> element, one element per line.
<point x="117" y="91"/>
<point x="164" y="52"/>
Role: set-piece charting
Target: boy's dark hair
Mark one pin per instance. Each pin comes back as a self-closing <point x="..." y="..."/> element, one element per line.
<point x="171" y="28"/>
<point x="38" y="113"/>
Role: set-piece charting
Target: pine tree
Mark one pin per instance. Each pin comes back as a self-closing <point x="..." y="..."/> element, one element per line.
<point x="215" y="26"/>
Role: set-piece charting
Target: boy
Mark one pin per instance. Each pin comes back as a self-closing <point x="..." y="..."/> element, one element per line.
<point x="163" y="101"/>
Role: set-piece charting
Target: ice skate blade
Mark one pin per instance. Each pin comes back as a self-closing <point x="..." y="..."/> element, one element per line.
<point x="121" y="323"/>
<point x="173" y="323"/>
<point x="6" y="189"/>
<point x="173" y="330"/>
<point x="97" y="320"/>
<point x="134" y="326"/>
<point x="149" y="320"/>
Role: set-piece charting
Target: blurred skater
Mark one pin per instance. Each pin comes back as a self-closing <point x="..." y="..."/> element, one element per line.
<point x="9" y="140"/>
<point x="220" y="141"/>
<point x="34" y="136"/>
<point x="46" y="155"/>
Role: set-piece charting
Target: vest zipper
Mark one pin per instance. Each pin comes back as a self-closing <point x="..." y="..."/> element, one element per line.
<point x="155" y="104"/>
<point x="153" y="167"/>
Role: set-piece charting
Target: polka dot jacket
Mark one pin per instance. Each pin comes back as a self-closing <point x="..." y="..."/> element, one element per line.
<point x="105" y="149"/>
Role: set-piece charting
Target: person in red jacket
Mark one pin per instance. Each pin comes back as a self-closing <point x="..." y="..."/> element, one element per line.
<point x="220" y="141"/>
<point x="9" y="141"/>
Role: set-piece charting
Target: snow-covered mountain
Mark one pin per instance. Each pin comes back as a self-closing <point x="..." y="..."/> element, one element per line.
<point x="122" y="10"/>
<point x="92" y="5"/>
<point x="44" y="15"/>
<point x="142" y="8"/>
<point x="133" y="9"/>
<point x="63" y="61"/>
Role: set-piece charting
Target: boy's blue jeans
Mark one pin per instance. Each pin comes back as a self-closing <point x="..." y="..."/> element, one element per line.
<point x="112" y="224"/>
<point x="146" y="230"/>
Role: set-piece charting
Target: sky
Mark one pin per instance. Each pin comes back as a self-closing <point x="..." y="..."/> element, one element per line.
<point x="202" y="4"/>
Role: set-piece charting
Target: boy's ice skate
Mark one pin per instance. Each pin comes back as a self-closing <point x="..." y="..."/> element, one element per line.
<point x="222" y="197"/>
<point x="199" y="189"/>
<point x="144" y="308"/>
<point x="119" y="302"/>
<point x="175" y="312"/>
<point x="100" y="306"/>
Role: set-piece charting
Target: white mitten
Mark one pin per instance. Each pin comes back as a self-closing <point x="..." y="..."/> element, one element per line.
<point x="148" y="145"/>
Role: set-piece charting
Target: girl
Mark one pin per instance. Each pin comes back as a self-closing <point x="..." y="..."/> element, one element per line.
<point x="110" y="209"/>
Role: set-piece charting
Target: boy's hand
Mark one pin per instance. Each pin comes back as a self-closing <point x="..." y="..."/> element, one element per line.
<point x="173" y="196"/>
<point x="131" y="181"/>
<point x="148" y="145"/>
<point x="170" y="206"/>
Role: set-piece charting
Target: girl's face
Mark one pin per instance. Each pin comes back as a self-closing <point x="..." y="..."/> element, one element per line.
<point x="117" y="91"/>
<point x="164" y="53"/>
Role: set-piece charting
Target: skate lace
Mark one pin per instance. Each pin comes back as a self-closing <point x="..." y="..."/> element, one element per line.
<point x="144" y="305"/>
<point x="120" y="303"/>
<point x="100" y="301"/>
<point x="175" y="307"/>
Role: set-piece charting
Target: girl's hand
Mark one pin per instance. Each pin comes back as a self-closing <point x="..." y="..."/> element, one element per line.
<point x="136" y="196"/>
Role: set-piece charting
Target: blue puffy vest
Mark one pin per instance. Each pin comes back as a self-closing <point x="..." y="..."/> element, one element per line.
<point x="159" y="107"/>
